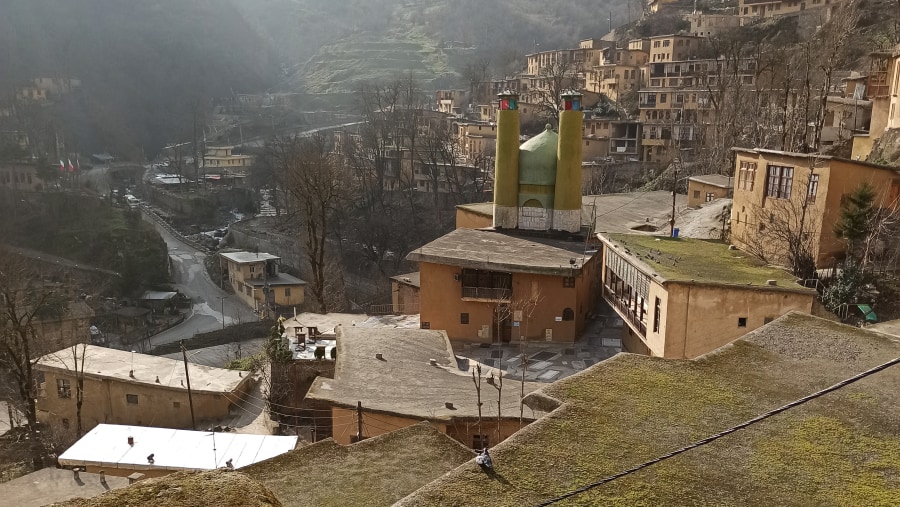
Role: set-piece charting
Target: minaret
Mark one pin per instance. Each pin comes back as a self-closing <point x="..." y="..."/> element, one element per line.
<point x="506" y="165"/>
<point x="567" y="196"/>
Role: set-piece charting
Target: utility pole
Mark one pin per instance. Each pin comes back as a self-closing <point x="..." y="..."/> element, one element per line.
<point x="222" y="300"/>
<point x="359" y="430"/>
<point x="674" y="186"/>
<point x="188" y="378"/>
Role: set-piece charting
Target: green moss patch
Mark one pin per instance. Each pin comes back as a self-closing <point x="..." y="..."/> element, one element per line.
<point x="701" y="261"/>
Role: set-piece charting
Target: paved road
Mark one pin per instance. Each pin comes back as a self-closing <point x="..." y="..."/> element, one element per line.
<point x="192" y="280"/>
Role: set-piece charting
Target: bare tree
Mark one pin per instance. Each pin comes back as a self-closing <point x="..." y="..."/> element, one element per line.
<point x="317" y="185"/>
<point x="476" y="379"/>
<point x="498" y="385"/>
<point x="553" y="80"/>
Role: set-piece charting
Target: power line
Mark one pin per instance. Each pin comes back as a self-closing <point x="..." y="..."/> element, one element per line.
<point x="717" y="436"/>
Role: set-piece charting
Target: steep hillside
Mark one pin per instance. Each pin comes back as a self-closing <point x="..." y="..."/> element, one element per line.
<point x="434" y="38"/>
<point x="142" y="64"/>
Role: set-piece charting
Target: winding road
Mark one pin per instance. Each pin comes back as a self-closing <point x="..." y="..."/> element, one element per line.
<point x="192" y="280"/>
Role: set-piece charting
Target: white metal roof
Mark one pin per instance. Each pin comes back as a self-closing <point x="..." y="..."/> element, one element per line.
<point x="245" y="257"/>
<point x="107" y="446"/>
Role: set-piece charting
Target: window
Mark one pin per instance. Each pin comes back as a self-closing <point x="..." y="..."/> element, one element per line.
<point x="63" y="388"/>
<point x="746" y="175"/>
<point x="480" y="441"/>
<point x="696" y="194"/>
<point x="131" y="398"/>
<point x="568" y="314"/>
<point x="463" y="318"/>
<point x="812" y="187"/>
<point x="176" y="404"/>
<point x="779" y="181"/>
<point x="663" y="97"/>
<point x="426" y="325"/>
<point x="742" y="321"/>
<point x="657" y="310"/>
<point x="569" y="282"/>
<point x="252" y="269"/>
<point x="287" y="292"/>
<point x="65" y="423"/>
<point x="710" y="196"/>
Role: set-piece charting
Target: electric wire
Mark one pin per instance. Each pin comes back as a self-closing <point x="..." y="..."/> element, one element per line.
<point x="721" y="434"/>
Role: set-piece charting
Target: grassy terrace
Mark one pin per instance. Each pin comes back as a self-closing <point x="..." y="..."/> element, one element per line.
<point x="839" y="450"/>
<point x="700" y="260"/>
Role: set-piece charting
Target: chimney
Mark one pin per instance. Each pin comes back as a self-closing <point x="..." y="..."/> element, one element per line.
<point x="432" y="362"/>
<point x="379" y="356"/>
<point x="130" y="440"/>
<point x="506" y="162"/>
<point x="449" y="405"/>
<point x="567" y="196"/>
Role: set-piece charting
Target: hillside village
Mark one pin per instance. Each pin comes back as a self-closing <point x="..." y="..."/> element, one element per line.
<point x="655" y="268"/>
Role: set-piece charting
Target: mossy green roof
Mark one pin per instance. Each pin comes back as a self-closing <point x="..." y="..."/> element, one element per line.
<point x="838" y="450"/>
<point x="375" y="472"/>
<point x="537" y="159"/>
<point x="704" y="261"/>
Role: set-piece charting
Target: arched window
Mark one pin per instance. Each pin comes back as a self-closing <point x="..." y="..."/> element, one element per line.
<point x="533" y="203"/>
<point x="568" y="314"/>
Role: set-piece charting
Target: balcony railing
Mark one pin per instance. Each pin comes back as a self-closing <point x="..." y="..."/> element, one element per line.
<point x="487" y="293"/>
<point x="625" y="310"/>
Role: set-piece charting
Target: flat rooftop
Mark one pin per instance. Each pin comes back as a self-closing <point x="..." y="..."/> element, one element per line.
<point x="413" y="279"/>
<point x="716" y="180"/>
<point x="375" y="471"/>
<point x="107" y="446"/>
<point x="698" y="260"/>
<point x="479" y="208"/>
<point x="839" y="449"/>
<point x="248" y="257"/>
<point x="504" y="251"/>
<point x="623" y="212"/>
<point x="404" y="383"/>
<point x="279" y="279"/>
<point x="113" y="364"/>
<point x="51" y="485"/>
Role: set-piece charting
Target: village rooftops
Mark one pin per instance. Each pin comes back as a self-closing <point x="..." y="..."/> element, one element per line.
<point x="625" y="212"/>
<point x="698" y="260"/>
<point x="505" y="251"/>
<point x="105" y="363"/>
<point x="839" y="449"/>
<point x="249" y="257"/>
<point x="107" y="445"/>
<point x="716" y="180"/>
<point x="403" y="382"/>
<point x="375" y="471"/>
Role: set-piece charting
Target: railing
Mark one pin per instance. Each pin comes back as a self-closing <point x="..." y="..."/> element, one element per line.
<point x="489" y="293"/>
<point x="625" y="310"/>
<point x="406" y="309"/>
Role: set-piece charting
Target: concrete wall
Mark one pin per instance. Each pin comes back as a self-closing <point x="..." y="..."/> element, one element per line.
<point x="404" y="298"/>
<point x="701" y="318"/>
<point x="697" y="193"/>
<point x="442" y="304"/>
<point x="245" y="236"/>
<point x="467" y="219"/>
<point x="105" y="402"/>
<point x="461" y="430"/>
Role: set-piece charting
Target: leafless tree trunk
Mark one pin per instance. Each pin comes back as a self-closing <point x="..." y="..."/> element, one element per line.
<point x="476" y="379"/>
<point x="317" y="185"/>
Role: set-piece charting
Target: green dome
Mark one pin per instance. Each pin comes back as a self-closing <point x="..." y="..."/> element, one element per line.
<point x="537" y="159"/>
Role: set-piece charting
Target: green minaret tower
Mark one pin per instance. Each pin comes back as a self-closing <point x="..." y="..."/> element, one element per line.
<point x="506" y="165"/>
<point x="567" y="195"/>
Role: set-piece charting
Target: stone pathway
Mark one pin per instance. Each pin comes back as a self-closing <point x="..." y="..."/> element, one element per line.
<point x="547" y="362"/>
